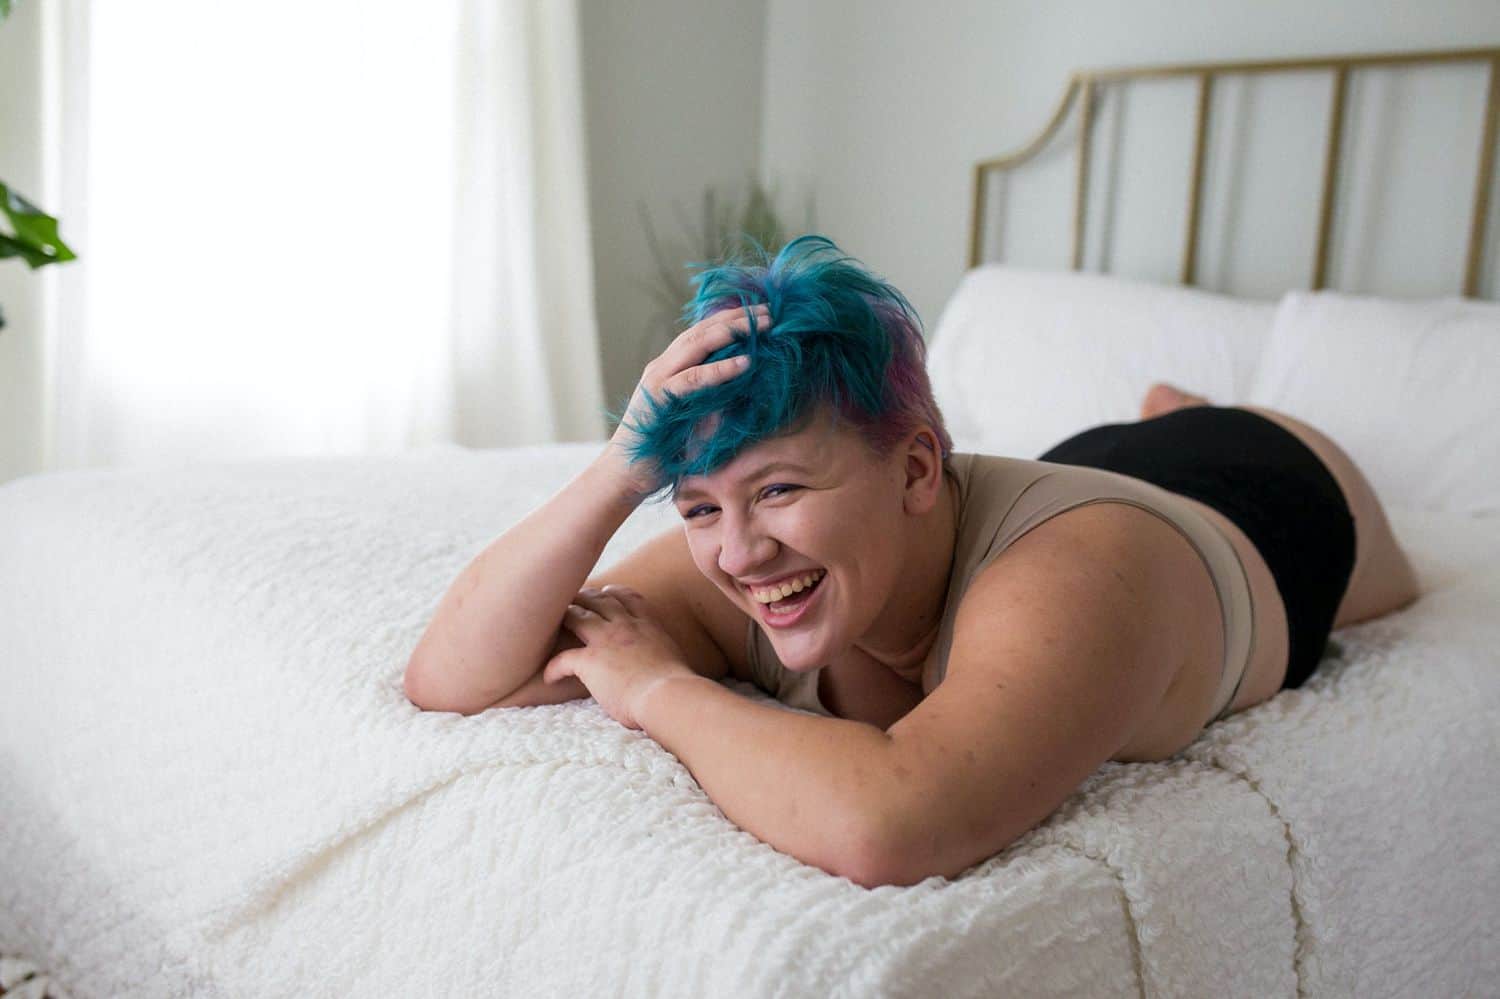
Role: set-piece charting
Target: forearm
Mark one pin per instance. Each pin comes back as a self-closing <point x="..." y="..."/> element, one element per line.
<point x="807" y="785"/>
<point x="497" y="624"/>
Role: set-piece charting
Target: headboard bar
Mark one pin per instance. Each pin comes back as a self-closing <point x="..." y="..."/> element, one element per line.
<point x="1293" y="65"/>
<point x="1195" y="196"/>
<point x="1330" y="175"/>
<point x="1081" y="192"/>
<point x="1481" y="214"/>
<point x="1014" y="159"/>
<point x="1090" y="84"/>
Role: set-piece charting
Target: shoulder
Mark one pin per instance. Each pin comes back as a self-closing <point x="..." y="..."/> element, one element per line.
<point x="1109" y="604"/>
<point x="707" y="625"/>
<point x="1061" y="656"/>
<point x="1098" y="534"/>
<point x="1102" y="568"/>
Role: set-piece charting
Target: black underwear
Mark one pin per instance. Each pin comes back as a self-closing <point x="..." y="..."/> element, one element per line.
<point x="1264" y="479"/>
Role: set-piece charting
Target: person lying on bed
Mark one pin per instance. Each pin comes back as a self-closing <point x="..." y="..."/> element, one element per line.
<point x="970" y="636"/>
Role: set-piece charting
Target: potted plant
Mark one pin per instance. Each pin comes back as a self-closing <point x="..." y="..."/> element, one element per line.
<point x="33" y="236"/>
<point x="723" y="226"/>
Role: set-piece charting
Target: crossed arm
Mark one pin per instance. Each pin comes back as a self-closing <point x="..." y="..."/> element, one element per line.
<point x="800" y="782"/>
<point x="1036" y="696"/>
<point x="1062" y="649"/>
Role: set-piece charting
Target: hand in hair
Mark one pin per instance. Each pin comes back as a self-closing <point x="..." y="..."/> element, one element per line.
<point x="681" y="370"/>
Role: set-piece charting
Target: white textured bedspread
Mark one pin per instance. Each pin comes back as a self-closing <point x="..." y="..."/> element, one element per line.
<point x="212" y="785"/>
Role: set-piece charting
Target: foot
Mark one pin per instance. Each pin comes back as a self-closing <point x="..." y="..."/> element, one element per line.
<point x="1163" y="398"/>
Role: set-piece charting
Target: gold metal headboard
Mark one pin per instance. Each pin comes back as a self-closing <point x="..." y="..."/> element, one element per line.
<point x="1087" y="82"/>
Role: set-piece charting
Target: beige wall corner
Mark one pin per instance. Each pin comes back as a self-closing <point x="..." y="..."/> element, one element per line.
<point x="672" y="103"/>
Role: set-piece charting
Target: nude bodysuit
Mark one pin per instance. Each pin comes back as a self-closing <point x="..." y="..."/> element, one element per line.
<point x="1000" y="499"/>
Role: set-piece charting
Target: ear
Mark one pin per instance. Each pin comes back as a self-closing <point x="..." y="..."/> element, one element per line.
<point x="924" y="471"/>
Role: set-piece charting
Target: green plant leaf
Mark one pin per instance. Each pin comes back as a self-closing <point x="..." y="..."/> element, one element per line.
<point x="4" y="13"/>
<point x="668" y="277"/>
<point x="34" y="237"/>
<point x="11" y="248"/>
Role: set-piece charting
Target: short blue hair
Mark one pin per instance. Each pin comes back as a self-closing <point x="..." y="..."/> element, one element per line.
<point x="840" y="336"/>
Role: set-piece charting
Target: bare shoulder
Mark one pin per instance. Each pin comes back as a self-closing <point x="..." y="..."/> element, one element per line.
<point x="1089" y="608"/>
<point x="1143" y="604"/>
<point x="1060" y="659"/>
<point x="710" y="629"/>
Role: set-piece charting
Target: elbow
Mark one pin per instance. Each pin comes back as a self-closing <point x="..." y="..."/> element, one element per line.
<point x="898" y="870"/>
<point x="420" y="693"/>
<point x="410" y="689"/>
<point x="873" y="859"/>
<point x="923" y="852"/>
<point x="878" y="870"/>
<point x="414" y="688"/>
<point x="897" y="848"/>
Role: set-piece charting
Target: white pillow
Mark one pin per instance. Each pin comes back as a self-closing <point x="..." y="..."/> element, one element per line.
<point x="1408" y="388"/>
<point x="1022" y="359"/>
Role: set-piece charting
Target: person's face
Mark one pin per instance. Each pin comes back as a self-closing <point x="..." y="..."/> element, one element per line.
<point x="838" y="510"/>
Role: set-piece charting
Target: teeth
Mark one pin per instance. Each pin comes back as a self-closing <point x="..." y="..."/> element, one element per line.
<point x="774" y="593"/>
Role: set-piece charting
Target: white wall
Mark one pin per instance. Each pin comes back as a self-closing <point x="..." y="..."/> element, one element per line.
<point x="879" y="108"/>
<point x="21" y="356"/>
<point x="672" y="92"/>
<point x="882" y="106"/>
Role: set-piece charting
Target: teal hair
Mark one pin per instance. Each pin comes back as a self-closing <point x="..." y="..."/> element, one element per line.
<point x="839" y="336"/>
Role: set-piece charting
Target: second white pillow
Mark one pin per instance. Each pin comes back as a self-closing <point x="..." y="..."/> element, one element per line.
<point x="1406" y="387"/>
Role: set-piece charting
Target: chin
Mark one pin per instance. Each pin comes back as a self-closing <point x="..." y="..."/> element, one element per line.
<point x="806" y="657"/>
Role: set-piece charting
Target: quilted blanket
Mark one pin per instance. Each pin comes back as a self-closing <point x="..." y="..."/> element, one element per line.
<point x="211" y="784"/>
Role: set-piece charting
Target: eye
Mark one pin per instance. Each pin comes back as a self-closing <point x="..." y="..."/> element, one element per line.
<point x="768" y="491"/>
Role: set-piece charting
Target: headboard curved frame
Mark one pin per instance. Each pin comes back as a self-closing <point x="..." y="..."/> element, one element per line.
<point x="1090" y="83"/>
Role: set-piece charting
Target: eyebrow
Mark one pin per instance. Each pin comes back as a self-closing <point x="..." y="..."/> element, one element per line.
<point x="691" y="492"/>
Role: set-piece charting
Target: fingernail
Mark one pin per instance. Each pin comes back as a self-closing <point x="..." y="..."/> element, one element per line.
<point x="743" y="360"/>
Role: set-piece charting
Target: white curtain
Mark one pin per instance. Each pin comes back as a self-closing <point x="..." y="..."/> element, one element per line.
<point x="337" y="227"/>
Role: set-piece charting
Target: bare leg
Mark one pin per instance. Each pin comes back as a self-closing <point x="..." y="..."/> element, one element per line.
<point x="1383" y="579"/>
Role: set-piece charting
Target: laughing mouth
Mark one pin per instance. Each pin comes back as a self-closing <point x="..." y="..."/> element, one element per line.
<point x="785" y="586"/>
<point x="791" y="601"/>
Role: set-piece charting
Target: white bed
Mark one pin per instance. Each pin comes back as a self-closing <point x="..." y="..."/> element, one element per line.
<point x="211" y="783"/>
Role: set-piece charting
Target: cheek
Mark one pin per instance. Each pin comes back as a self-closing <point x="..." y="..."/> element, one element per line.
<point x="702" y="559"/>
<point x="707" y="563"/>
<point x="845" y="536"/>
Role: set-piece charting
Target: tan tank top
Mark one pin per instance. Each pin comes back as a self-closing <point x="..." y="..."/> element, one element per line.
<point x="999" y="500"/>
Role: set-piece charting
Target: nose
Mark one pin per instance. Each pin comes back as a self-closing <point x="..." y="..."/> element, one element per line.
<point x="742" y="547"/>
